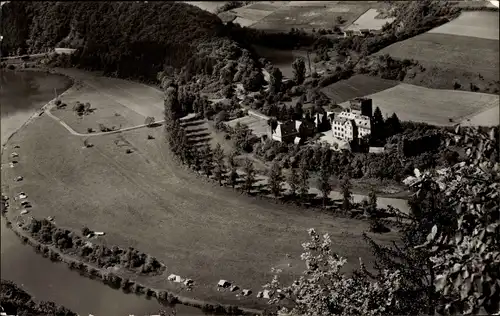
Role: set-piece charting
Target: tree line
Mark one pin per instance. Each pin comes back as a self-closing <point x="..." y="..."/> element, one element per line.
<point x="47" y="233"/>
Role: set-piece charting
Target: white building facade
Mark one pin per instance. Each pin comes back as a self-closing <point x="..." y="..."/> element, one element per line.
<point x="350" y="124"/>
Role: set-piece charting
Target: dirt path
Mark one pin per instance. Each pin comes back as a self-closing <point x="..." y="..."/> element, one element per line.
<point x="73" y="132"/>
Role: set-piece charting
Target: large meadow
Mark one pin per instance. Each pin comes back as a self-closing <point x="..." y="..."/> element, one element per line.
<point x="145" y="200"/>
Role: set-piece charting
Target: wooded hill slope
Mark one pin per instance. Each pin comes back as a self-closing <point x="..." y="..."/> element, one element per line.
<point x="128" y="39"/>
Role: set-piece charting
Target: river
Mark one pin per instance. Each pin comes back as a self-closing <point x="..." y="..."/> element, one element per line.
<point x="21" y="94"/>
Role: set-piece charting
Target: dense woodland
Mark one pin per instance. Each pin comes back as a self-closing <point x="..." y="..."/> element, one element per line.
<point x="128" y="39"/>
<point x="15" y="301"/>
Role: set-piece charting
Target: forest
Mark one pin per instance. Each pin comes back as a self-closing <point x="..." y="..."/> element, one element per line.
<point x="130" y="40"/>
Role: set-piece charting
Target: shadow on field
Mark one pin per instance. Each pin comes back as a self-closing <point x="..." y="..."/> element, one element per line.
<point x="194" y="123"/>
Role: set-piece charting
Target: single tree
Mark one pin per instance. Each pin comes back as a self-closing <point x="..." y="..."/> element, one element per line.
<point x="293" y="181"/>
<point x="303" y="179"/>
<point x="149" y="121"/>
<point x="220" y="167"/>
<point x="275" y="179"/>
<point x="371" y="206"/>
<point x="249" y="171"/>
<point x="377" y="127"/>
<point x="299" y="70"/>
<point x="207" y="160"/>
<point x="346" y="194"/>
<point x="276" y="78"/>
<point x="324" y="183"/>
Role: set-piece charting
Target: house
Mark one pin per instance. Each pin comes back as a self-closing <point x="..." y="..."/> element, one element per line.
<point x="348" y="33"/>
<point x="363" y="32"/>
<point x="22" y="195"/>
<point x="344" y="128"/>
<point x="284" y="132"/>
<point x="233" y="288"/>
<point x="267" y="294"/>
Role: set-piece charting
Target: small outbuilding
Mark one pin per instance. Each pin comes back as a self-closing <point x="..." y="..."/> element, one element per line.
<point x="19" y="179"/>
<point x="233" y="288"/>
<point x="22" y="195"/>
<point x="223" y="283"/>
<point x="188" y="282"/>
<point x="14" y="155"/>
<point x="259" y="294"/>
<point x="24" y="212"/>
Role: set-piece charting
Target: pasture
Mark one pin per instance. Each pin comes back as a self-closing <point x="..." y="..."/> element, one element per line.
<point x="433" y="106"/>
<point x="488" y="117"/>
<point x="369" y="21"/>
<point x="281" y="16"/>
<point x="449" y="58"/>
<point x="356" y="86"/>
<point x="480" y="24"/>
<point x="144" y="200"/>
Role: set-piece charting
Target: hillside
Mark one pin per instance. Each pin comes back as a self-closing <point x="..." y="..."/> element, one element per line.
<point x="127" y="39"/>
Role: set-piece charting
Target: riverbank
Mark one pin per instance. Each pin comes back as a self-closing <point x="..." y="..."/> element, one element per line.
<point x="15" y="301"/>
<point x="119" y="280"/>
<point x="39" y="87"/>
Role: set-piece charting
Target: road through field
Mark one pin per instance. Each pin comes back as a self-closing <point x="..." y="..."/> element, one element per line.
<point x="147" y="201"/>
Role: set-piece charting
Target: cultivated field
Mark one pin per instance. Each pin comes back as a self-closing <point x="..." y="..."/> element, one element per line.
<point x="449" y="58"/>
<point x="368" y="21"/>
<point x="145" y="200"/>
<point x="281" y="16"/>
<point x="356" y="86"/>
<point x="488" y="117"/>
<point x="478" y="24"/>
<point x="433" y="106"/>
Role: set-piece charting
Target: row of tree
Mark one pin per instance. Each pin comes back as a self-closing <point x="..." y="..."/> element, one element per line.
<point x="47" y="233"/>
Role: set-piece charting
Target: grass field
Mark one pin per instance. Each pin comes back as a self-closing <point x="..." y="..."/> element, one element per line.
<point x="210" y="6"/>
<point x="368" y="21"/>
<point x="356" y="86"/>
<point x="480" y="24"/>
<point x="145" y="200"/>
<point x="448" y="58"/>
<point x="281" y="16"/>
<point x="488" y="117"/>
<point x="433" y="106"/>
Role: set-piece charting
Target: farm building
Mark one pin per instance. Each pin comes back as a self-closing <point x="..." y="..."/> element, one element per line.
<point x="284" y="132"/>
